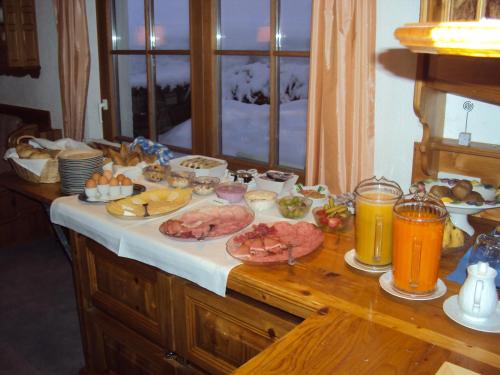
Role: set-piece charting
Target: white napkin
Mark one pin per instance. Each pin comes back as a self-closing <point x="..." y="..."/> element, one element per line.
<point x="205" y="263"/>
<point x="91" y="220"/>
<point x="60" y="144"/>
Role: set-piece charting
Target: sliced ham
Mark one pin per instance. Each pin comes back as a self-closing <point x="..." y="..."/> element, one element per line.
<point x="266" y="243"/>
<point x="208" y="222"/>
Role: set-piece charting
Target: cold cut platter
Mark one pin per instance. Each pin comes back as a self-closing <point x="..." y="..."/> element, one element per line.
<point x="275" y="242"/>
<point x="207" y="222"/>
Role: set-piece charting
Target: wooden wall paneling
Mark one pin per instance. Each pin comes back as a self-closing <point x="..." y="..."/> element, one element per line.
<point x="29" y="115"/>
<point x="133" y="293"/>
<point x="223" y="333"/>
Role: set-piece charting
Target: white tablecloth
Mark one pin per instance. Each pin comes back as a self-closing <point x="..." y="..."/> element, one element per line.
<point x="205" y="263"/>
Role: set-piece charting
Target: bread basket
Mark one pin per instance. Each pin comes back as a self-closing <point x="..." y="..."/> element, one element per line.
<point x="49" y="174"/>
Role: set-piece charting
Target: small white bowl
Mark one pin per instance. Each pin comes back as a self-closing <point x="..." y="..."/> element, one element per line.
<point x="260" y="200"/>
<point x="264" y="182"/>
<point x="91" y="192"/>
<point x="114" y="190"/>
<point x="103" y="189"/>
<point x="317" y="202"/>
<point x="127" y="189"/>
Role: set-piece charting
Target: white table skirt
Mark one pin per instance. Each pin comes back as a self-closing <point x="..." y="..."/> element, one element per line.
<point x="205" y="263"/>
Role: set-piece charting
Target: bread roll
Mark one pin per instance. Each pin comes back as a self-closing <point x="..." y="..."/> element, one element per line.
<point x="40" y="155"/>
<point x="462" y="189"/>
<point x="25" y="153"/>
<point x="440" y="191"/>
<point x="474" y="196"/>
<point x="22" y="146"/>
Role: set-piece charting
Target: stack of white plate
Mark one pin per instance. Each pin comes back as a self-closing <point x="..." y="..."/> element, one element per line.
<point x="76" y="167"/>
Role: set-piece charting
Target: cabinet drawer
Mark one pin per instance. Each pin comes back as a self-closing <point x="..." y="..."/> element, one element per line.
<point x="118" y="350"/>
<point x="135" y="294"/>
<point x="223" y="333"/>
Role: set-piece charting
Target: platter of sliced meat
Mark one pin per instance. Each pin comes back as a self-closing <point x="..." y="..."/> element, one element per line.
<point x="207" y="222"/>
<point x="270" y="243"/>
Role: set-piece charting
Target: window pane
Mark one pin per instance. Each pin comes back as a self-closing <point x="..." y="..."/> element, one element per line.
<point x="132" y="95"/>
<point x="245" y="107"/>
<point x="463" y="10"/>
<point x="294" y="25"/>
<point x="294" y="80"/>
<point x="493" y="9"/>
<point x="129" y="31"/>
<point x="244" y="24"/>
<point x="173" y="100"/>
<point x="171" y="24"/>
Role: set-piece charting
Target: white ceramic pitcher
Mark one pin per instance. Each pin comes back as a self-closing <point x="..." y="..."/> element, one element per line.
<point x="478" y="296"/>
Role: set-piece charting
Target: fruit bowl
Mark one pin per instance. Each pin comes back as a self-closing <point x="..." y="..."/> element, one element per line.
<point x="331" y="221"/>
<point x="294" y="207"/>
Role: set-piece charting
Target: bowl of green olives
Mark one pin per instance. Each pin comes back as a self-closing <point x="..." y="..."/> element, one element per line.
<point x="294" y="207"/>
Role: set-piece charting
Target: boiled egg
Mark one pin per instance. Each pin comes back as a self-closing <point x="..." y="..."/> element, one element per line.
<point x="103" y="181"/>
<point x="95" y="177"/>
<point x="113" y="181"/>
<point x="108" y="174"/>
<point x="126" y="181"/>
<point x="90" y="183"/>
<point x="120" y="177"/>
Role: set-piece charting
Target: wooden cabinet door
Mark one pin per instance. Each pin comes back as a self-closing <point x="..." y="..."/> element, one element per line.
<point x="220" y="334"/>
<point x="27" y="29"/>
<point x="116" y="349"/>
<point x="15" y="52"/>
<point x="133" y="293"/>
<point x="21" y="35"/>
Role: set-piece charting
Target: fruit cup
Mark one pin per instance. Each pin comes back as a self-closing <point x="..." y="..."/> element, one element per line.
<point x="331" y="219"/>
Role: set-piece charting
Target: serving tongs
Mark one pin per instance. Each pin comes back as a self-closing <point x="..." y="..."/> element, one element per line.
<point x="291" y="259"/>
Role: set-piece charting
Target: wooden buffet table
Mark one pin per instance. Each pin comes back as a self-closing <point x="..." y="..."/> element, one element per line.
<point x="316" y="317"/>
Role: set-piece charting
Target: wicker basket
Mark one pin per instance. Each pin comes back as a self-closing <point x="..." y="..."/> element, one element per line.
<point x="50" y="172"/>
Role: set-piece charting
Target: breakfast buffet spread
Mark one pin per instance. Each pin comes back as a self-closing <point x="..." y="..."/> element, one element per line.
<point x="194" y="218"/>
<point x="146" y="209"/>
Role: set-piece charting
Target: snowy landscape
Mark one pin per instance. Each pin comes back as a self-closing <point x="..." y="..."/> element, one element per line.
<point x="244" y="80"/>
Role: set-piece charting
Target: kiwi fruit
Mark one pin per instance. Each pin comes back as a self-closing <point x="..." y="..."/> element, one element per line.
<point x="461" y="189"/>
<point x="475" y="197"/>
<point x="440" y="191"/>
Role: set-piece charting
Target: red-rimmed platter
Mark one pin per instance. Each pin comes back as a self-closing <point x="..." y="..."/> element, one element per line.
<point x="274" y="243"/>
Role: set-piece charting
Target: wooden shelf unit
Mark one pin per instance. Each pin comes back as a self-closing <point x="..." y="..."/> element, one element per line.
<point x="437" y="75"/>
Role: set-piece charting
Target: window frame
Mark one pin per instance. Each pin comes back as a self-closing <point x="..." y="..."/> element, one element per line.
<point x="204" y="56"/>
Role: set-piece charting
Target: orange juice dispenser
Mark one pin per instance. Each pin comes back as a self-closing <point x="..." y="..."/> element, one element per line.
<point x="418" y="227"/>
<point x="375" y="199"/>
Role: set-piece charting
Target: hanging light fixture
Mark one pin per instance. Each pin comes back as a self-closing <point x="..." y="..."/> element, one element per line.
<point x="478" y="39"/>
